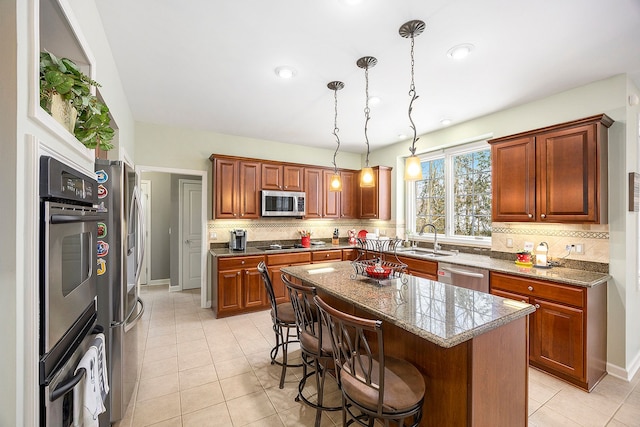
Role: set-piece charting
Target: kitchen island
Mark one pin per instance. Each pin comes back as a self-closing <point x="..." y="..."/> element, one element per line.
<point x="471" y="347"/>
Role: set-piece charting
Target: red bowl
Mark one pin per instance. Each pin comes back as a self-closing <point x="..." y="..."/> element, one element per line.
<point x="371" y="272"/>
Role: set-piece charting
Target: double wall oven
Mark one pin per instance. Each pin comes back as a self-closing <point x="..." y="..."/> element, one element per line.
<point x="67" y="290"/>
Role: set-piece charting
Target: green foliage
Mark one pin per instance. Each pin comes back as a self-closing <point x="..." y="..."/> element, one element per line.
<point x="62" y="76"/>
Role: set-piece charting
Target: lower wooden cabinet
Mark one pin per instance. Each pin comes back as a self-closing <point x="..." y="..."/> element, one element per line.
<point x="568" y="330"/>
<point x="239" y="285"/>
<point x="418" y="267"/>
<point x="277" y="261"/>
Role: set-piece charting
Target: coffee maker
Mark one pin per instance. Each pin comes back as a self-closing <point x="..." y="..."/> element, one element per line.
<point x="238" y="240"/>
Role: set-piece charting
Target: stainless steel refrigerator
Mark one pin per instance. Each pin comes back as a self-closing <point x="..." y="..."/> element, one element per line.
<point x="120" y="254"/>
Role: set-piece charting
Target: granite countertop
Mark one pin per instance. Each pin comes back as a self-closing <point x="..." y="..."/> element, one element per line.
<point x="445" y="315"/>
<point x="568" y="276"/>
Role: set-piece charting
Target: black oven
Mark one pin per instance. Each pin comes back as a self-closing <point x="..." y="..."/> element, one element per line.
<point x="67" y="290"/>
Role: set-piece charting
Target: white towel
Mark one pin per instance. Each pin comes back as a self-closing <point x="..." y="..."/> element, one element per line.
<point x="87" y="399"/>
<point x="99" y="344"/>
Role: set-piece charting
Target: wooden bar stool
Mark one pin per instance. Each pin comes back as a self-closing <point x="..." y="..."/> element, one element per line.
<point x="374" y="386"/>
<point x="315" y="345"/>
<point x="284" y="325"/>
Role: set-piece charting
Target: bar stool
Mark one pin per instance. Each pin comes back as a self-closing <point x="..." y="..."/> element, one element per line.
<point x="374" y="386"/>
<point x="284" y="325"/>
<point x="315" y="345"/>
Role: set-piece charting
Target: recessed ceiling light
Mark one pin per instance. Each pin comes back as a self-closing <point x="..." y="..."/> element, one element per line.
<point x="351" y="2"/>
<point x="402" y="136"/>
<point x="460" y="51"/>
<point x="445" y="122"/>
<point x="285" y="72"/>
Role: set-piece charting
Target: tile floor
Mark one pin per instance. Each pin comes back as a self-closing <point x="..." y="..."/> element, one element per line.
<point x="200" y="371"/>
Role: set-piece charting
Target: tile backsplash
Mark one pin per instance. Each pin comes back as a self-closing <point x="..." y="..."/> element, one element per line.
<point x="593" y="238"/>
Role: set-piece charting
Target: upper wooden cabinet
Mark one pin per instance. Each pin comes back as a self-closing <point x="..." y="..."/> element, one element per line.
<point x="554" y="174"/>
<point x="313" y="188"/>
<point x="236" y="184"/>
<point x="375" y="202"/>
<point x="278" y="176"/>
<point x="348" y="205"/>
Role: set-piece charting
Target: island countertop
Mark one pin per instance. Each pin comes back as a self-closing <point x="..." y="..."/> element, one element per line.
<point x="443" y="314"/>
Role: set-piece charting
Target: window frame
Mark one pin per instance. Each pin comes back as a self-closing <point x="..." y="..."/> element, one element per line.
<point x="410" y="196"/>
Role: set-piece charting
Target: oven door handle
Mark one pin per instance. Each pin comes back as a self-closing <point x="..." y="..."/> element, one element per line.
<point x="66" y="386"/>
<point x="65" y="219"/>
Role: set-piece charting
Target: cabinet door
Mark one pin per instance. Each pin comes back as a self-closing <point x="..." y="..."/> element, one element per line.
<point x="331" y="199"/>
<point x="375" y="202"/>
<point x="326" y="256"/>
<point x="513" y="175"/>
<point x="279" y="289"/>
<point x="271" y="176"/>
<point x="510" y="295"/>
<point x="313" y="190"/>
<point x="348" y="203"/>
<point x="568" y="178"/>
<point x="225" y="178"/>
<point x="229" y="290"/>
<point x="249" y="174"/>
<point x="293" y="178"/>
<point x="349" y="254"/>
<point x="254" y="291"/>
<point x="557" y="338"/>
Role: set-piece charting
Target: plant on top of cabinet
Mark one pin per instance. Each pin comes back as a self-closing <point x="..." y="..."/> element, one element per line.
<point x="66" y="90"/>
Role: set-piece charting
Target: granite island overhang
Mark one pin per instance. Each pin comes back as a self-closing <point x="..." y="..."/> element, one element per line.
<point x="471" y="347"/>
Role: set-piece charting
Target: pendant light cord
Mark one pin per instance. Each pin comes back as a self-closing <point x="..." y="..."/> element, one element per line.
<point x="414" y="96"/>
<point x="335" y="127"/>
<point x="366" y="112"/>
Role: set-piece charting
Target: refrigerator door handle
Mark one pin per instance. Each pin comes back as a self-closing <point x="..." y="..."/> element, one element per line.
<point x="141" y="228"/>
<point x="127" y="321"/>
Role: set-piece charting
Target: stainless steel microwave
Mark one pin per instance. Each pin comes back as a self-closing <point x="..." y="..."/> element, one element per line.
<point x="283" y="203"/>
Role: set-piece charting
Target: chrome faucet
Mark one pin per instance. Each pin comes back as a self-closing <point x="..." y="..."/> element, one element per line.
<point x="436" y="246"/>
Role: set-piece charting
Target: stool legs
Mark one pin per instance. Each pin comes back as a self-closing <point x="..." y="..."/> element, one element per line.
<point x="282" y="340"/>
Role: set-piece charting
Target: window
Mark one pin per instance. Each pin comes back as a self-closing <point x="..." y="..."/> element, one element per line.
<point x="455" y="194"/>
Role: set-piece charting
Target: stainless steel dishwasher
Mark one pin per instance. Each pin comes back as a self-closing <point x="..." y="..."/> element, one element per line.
<point x="465" y="277"/>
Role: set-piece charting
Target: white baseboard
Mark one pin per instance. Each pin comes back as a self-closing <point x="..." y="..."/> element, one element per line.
<point x="625" y="373"/>
<point x="158" y="282"/>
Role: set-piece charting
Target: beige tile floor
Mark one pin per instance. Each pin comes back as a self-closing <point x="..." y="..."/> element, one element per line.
<point x="200" y="371"/>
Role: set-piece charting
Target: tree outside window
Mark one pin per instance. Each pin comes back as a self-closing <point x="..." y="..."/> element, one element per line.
<point x="455" y="194"/>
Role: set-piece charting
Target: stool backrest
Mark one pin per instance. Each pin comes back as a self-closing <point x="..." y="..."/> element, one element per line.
<point x="305" y="309"/>
<point x="262" y="268"/>
<point x="358" y="349"/>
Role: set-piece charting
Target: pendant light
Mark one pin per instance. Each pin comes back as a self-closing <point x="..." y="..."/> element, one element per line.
<point x="412" y="166"/>
<point x="336" y="183"/>
<point x="366" y="173"/>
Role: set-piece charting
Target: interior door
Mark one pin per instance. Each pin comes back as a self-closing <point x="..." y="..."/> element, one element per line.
<point x="191" y="231"/>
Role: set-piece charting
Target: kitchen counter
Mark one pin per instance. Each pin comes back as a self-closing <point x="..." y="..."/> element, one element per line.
<point x="471" y="347"/>
<point x="556" y="274"/>
<point x="445" y="315"/>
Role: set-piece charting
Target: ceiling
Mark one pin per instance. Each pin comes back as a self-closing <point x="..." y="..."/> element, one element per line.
<point x="209" y="65"/>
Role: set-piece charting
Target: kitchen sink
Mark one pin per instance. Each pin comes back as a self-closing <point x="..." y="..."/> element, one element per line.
<point x="423" y="252"/>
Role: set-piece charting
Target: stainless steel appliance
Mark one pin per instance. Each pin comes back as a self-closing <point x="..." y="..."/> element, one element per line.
<point x="67" y="291"/>
<point x="120" y="253"/>
<point x="238" y="240"/>
<point x="473" y="278"/>
<point x="283" y="203"/>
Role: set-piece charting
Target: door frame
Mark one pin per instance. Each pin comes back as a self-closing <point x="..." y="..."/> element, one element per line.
<point x="147" y="228"/>
<point x="205" y="298"/>
<point x="181" y="183"/>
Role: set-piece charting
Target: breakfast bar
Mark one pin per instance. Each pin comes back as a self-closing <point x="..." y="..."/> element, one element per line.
<point x="471" y="347"/>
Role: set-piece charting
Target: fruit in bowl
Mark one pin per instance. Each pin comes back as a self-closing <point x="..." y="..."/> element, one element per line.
<point x="524" y="257"/>
<point x="378" y="271"/>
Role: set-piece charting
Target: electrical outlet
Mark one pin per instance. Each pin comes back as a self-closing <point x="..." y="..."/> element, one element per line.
<point x="509" y="242"/>
<point x="579" y="248"/>
<point x="213" y="235"/>
<point x="568" y="248"/>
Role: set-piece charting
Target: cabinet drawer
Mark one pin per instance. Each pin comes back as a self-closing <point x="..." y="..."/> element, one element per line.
<point x="416" y="265"/>
<point x="288" y="259"/>
<point x="232" y="263"/>
<point x="319" y="256"/>
<point x="556" y="292"/>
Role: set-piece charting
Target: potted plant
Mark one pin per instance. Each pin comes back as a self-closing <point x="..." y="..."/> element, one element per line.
<point x="85" y="115"/>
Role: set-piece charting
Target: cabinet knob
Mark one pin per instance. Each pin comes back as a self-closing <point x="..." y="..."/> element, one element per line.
<point x="530" y="215"/>
<point x="242" y="262"/>
<point x="543" y="216"/>
<point x="530" y="288"/>
<point x="238" y="273"/>
<point x="326" y="256"/>
<point x="246" y="272"/>
<point x="537" y="306"/>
